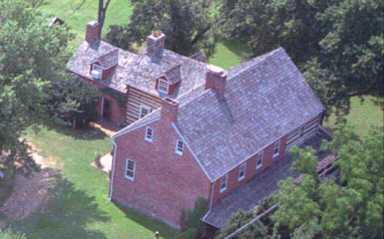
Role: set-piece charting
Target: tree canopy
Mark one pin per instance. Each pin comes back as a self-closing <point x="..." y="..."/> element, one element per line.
<point x="350" y="207"/>
<point x="187" y="25"/>
<point x="33" y="57"/>
<point x="338" y="44"/>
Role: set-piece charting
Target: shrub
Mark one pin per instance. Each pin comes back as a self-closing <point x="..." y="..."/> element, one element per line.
<point x="191" y="222"/>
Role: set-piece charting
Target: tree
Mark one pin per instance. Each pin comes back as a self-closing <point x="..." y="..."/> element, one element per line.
<point x="338" y="44"/>
<point x="102" y="12"/>
<point x="33" y="57"/>
<point x="187" y="25"/>
<point x="352" y="209"/>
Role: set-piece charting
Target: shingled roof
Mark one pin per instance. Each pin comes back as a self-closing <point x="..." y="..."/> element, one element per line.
<point x="265" y="99"/>
<point x="138" y="70"/>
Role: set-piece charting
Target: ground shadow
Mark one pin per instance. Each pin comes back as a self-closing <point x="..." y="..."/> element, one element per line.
<point x="150" y="223"/>
<point x="84" y="133"/>
<point x="67" y="215"/>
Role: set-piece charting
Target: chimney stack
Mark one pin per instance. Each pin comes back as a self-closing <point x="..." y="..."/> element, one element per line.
<point x="155" y="44"/>
<point x="216" y="79"/>
<point x="169" y="108"/>
<point x="92" y="34"/>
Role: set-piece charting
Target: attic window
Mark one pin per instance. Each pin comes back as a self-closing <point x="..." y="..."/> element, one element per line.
<point x="179" y="147"/>
<point x="148" y="134"/>
<point x="162" y="85"/>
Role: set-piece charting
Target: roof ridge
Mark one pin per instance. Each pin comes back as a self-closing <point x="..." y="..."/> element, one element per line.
<point x="253" y="62"/>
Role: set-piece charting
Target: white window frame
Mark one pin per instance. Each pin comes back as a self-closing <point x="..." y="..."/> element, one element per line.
<point x="161" y="89"/>
<point x="225" y="180"/>
<point x="133" y="171"/>
<point x="148" y="139"/>
<point x="144" y="107"/>
<point x="259" y="156"/>
<point x="278" y="143"/>
<point x="179" y="150"/>
<point x="242" y="170"/>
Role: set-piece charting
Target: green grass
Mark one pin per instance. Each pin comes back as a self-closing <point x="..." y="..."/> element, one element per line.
<point x="80" y="208"/>
<point x="77" y="13"/>
<point x="229" y="53"/>
<point x="363" y="114"/>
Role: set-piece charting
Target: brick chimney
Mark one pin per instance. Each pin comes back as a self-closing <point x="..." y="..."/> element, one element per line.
<point x="216" y="79"/>
<point x="92" y="34"/>
<point x="169" y="108"/>
<point x="155" y="44"/>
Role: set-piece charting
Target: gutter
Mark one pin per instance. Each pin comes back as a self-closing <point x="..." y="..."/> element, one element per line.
<point x="113" y="170"/>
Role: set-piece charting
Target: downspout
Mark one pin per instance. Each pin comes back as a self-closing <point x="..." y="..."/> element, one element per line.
<point x="113" y="169"/>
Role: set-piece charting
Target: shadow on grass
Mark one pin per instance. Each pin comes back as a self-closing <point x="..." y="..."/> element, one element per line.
<point x="150" y="223"/>
<point x="67" y="215"/>
<point x="85" y="133"/>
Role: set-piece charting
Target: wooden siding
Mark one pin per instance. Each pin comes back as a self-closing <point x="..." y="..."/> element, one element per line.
<point x="135" y="98"/>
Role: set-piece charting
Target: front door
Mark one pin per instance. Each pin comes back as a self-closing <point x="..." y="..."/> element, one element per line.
<point x="105" y="108"/>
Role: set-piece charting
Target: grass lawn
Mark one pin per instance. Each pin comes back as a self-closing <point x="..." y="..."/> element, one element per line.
<point x="77" y="13"/>
<point x="80" y="208"/>
<point x="364" y="114"/>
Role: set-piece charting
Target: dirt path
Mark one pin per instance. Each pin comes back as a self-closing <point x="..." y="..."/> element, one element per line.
<point x="30" y="193"/>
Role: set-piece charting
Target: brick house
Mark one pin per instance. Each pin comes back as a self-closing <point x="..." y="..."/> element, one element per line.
<point x="132" y="85"/>
<point x="225" y="139"/>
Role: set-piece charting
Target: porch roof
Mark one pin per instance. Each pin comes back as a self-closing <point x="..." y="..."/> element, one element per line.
<point x="261" y="187"/>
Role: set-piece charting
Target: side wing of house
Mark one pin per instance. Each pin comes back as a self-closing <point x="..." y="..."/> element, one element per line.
<point x="155" y="172"/>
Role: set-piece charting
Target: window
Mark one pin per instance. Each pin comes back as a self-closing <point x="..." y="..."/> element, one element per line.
<point x="162" y="85"/>
<point x="144" y="110"/>
<point x="96" y="71"/>
<point x="276" y="148"/>
<point x="130" y="169"/>
<point x="179" y="147"/>
<point x="149" y="134"/>
<point x="223" y="183"/>
<point x="259" y="160"/>
<point x="242" y="170"/>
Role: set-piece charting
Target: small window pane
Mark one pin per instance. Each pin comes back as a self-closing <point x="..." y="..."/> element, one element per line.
<point x="259" y="160"/>
<point x="223" y="183"/>
<point x="179" y="147"/>
<point x="242" y="169"/>
<point x="149" y="134"/>
<point x="163" y="86"/>
<point x="130" y="169"/>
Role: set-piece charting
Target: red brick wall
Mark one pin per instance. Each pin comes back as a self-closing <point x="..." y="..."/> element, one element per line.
<point x="251" y="171"/>
<point x="165" y="183"/>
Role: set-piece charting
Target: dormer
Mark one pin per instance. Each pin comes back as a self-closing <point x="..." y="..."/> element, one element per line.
<point x="104" y="66"/>
<point x="169" y="81"/>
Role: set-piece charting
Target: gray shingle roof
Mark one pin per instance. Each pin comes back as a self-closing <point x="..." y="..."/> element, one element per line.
<point x="265" y="99"/>
<point x="138" y="70"/>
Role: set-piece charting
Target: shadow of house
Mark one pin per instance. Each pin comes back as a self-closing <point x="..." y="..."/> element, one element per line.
<point x="67" y="215"/>
<point x="151" y="224"/>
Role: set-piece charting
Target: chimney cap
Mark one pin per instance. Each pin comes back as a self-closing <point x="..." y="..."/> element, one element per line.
<point x="217" y="71"/>
<point x="170" y="101"/>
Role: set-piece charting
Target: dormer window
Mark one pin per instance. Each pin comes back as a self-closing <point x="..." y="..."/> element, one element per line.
<point x="96" y="71"/>
<point x="162" y="85"/>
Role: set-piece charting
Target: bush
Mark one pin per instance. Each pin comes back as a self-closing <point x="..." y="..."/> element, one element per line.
<point x="191" y="222"/>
